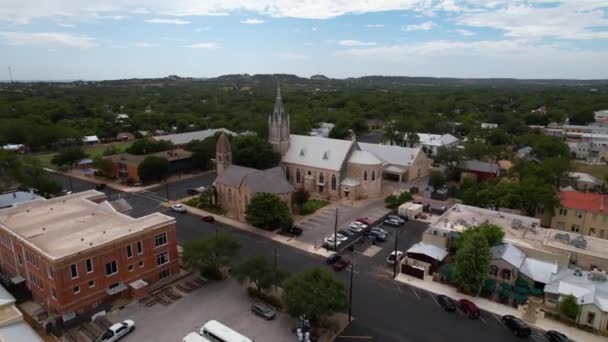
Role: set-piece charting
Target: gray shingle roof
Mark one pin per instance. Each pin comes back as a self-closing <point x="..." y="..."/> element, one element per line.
<point x="271" y="180"/>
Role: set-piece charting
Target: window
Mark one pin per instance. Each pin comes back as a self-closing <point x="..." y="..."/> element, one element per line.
<point x="111" y="268"/>
<point x="579" y="214"/>
<point x="162" y="258"/>
<point x="602" y="232"/>
<point x="50" y="272"/>
<point x="19" y="259"/>
<point x="563" y="211"/>
<point x="53" y="293"/>
<point x="575" y="228"/>
<point x="140" y="247"/>
<point x="76" y="289"/>
<point x="493" y="270"/>
<point x="506" y="274"/>
<point x="161" y="239"/>
<point x="298" y="176"/>
<point x="129" y="251"/>
<point x="333" y="182"/>
<point x="89" y="265"/>
<point x="590" y="317"/>
<point x="373" y="175"/>
<point x="74" y="271"/>
<point x="364" y="175"/>
<point x="163" y="274"/>
<point x="91" y="283"/>
<point x="321" y="178"/>
<point x="130" y="268"/>
<point x="287" y="173"/>
<point x="309" y="173"/>
<point x="141" y="264"/>
<point x="592" y="231"/>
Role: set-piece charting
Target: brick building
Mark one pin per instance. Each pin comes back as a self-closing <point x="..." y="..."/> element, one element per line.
<point x="124" y="165"/>
<point x="77" y="252"/>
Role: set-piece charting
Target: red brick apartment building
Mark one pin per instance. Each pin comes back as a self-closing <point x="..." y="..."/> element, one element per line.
<point x="76" y="252"/>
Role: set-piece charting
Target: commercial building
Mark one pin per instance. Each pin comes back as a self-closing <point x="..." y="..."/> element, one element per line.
<point x="432" y="142"/>
<point x="183" y="139"/>
<point x="583" y="213"/>
<point x="12" y="325"/>
<point x="125" y="165"/>
<point x="76" y="253"/>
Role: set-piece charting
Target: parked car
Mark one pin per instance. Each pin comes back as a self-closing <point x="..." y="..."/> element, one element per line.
<point x="516" y="325"/>
<point x="469" y="308"/>
<point x="346" y="232"/>
<point x="556" y="336"/>
<point x="330" y="242"/>
<point x="378" y="229"/>
<point x="360" y="224"/>
<point x="117" y="331"/>
<point x="396" y="218"/>
<point x="178" y="208"/>
<point x="392" y="222"/>
<point x="208" y="218"/>
<point x="264" y="311"/>
<point x="195" y="191"/>
<point x="364" y="220"/>
<point x="355" y="228"/>
<point x="295" y="231"/>
<point x="376" y="235"/>
<point x="340" y="264"/>
<point x="332" y="259"/>
<point x="100" y="187"/>
<point x="391" y="258"/>
<point x="446" y="303"/>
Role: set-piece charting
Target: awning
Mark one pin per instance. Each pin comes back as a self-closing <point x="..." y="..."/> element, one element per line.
<point x="395" y="169"/>
<point x="116" y="289"/>
<point x="138" y="284"/>
<point x="17" y="280"/>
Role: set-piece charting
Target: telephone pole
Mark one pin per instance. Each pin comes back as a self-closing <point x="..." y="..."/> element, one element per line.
<point x="336" y="232"/>
<point x="274" y="254"/>
<point x="396" y="246"/>
<point x="10" y="74"/>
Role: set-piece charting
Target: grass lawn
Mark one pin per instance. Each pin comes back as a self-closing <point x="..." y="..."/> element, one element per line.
<point x="92" y="150"/>
<point x="597" y="171"/>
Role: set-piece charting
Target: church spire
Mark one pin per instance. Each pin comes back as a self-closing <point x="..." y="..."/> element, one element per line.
<point x="279" y="111"/>
<point x="278" y="125"/>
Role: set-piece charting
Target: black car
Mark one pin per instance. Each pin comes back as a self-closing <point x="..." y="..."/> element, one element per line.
<point x="332" y="259"/>
<point x="556" y="336"/>
<point x="447" y="303"/>
<point x="295" y="231"/>
<point x="263" y="310"/>
<point x="100" y="187"/>
<point x="516" y="325"/>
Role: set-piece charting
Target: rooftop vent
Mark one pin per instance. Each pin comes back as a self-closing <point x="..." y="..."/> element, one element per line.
<point x="562" y="237"/>
<point x="302" y="152"/>
<point x="597" y="275"/>
<point x="579" y="242"/>
<point x="578" y="272"/>
<point x="516" y="224"/>
<point x="325" y="155"/>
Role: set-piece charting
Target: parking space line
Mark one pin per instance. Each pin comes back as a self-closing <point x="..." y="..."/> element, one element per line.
<point x="435" y="300"/>
<point x="499" y="320"/>
<point x="416" y="294"/>
<point x="483" y="320"/>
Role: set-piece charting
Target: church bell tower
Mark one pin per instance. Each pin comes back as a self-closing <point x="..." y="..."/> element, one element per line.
<point x="278" y="126"/>
<point x="223" y="154"/>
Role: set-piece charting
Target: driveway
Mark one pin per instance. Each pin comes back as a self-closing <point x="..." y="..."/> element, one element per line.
<point x="226" y="302"/>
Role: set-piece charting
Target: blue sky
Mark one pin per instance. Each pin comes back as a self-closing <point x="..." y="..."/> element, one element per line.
<point x="75" y="39"/>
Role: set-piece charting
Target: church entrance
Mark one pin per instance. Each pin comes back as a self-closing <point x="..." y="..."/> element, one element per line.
<point x="346" y="192"/>
<point x="320" y="189"/>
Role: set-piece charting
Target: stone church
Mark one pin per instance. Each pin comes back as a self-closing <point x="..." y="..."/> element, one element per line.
<point x="327" y="168"/>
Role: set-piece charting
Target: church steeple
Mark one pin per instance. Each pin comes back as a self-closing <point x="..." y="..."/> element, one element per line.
<point x="278" y="125"/>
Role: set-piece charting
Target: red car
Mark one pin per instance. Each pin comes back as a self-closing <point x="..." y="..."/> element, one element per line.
<point x="208" y="218"/>
<point x="340" y="264"/>
<point x="364" y="220"/>
<point x="469" y="308"/>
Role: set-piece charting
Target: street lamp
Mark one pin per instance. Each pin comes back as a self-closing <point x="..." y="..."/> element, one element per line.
<point x="396" y="246"/>
<point x="350" y="293"/>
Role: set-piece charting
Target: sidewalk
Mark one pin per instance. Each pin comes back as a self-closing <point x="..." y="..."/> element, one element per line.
<point x="499" y="309"/>
<point x="286" y="240"/>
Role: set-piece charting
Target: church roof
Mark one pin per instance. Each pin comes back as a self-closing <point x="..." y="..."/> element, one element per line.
<point x="271" y="180"/>
<point x="317" y="152"/>
<point x="364" y="158"/>
<point x="233" y="175"/>
<point x="391" y="154"/>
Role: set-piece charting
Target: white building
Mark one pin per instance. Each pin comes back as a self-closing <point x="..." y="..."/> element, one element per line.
<point x="323" y="130"/>
<point x="432" y="142"/>
<point x="488" y="125"/>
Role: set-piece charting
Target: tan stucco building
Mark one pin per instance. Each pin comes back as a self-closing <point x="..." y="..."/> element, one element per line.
<point x="583" y="213"/>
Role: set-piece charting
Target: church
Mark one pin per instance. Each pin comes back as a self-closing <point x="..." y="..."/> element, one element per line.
<point x="328" y="169"/>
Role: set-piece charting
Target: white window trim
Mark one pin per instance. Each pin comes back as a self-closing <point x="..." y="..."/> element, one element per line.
<point x="90" y="286"/>
<point x="142" y="264"/>
<point x="139" y="243"/>
<point x="111" y="274"/>
<point x="76" y="292"/>
<point x="76" y="266"/>
<point x="129" y="247"/>
<point x="131" y="268"/>
<point x="85" y="266"/>
<point x="166" y="240"/>
<point x="166" y="259"/>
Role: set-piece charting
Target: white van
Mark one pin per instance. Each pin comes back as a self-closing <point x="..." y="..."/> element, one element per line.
<point x="215" y="331"/>
<point x="194" y="337"/>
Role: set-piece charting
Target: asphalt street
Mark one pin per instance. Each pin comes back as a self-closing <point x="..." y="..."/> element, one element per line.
<point x="383" y="310"/>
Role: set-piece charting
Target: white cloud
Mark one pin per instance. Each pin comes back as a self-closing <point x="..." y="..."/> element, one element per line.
<point x="293" y="56"/>
<point x="464" y="32"/>
<point x="252" y="21"/>
<point x="314" y="29"/>
<point x="119" y="46"/>
<point x="145" y="45"/>
<point x="374" y="25"/>
<point x="141" y="10"/>
<point x="66" y="25"/>
<point x="201" y="29"/>
<point x="426" y="26"/>
<point x="351" y="42"/>
<point x="167" y="21"/>
<point x="203" y="46"/>
<point x="47" y="38"/>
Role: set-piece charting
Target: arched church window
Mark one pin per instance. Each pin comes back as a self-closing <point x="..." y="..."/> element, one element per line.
<point x="321" y="178"/>
<point x="374" y="175"/>
<point x="287" y="175"/>
<point x="298" y="176"/>
<point x="333" y="182"/>
<point x="364" y="175"/>
<point x="309" y="173"/>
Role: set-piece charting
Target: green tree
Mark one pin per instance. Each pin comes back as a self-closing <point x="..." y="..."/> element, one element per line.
<point x="69" y="156"/>
<point x="268" y="211"/>
<point x="568" y="306"/>
<point x="394" y="201"/>
<point x="209" y="255"/>
<point x="314" y="293"/>
<point x="255" y="152"/>
<point x="103" y="165"/>
<point x="472" y="263"/>
<point x="153" y="168"/>
<point x="146" y="146"/>
<point x="492" y="233"/>
<point x="202" y="152"/>
<point x="260" y="271"/>
<point x="413" y="139"/>
<point x="448" y="156"/>
<point x="10" y="170"/>
<point x="437" y="180"/>
<point x="33" y="176"/>
<point x="300" y="197"/>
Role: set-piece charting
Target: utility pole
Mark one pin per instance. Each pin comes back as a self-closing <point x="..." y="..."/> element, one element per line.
<point x="10" y="74"/>
<point x="350" y="293"/>
<point x="336" y="232"/>
<point x="274" y="254"/>
<point x="167" y="190"/>
<point x="396" y="246"/>
<point x="70" y="181"/>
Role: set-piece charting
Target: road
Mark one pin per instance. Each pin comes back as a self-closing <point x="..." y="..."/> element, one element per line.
<point x="383" y="309"/>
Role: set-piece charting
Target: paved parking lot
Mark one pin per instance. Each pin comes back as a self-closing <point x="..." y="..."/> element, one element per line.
<point x="224" y="301"/>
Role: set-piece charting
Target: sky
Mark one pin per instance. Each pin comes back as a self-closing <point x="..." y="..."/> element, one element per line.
<point x="115" y="39"/>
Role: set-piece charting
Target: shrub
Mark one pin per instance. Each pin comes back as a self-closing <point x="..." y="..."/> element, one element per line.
<point x="311" y="206"/>
<point x="264" y="297"/>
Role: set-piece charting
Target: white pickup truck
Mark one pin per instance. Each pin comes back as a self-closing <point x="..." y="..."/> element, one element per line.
<point x="117" y="331"/>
